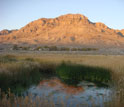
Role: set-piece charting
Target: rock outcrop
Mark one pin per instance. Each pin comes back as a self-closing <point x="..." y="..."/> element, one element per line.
<point x="6" y="32"/>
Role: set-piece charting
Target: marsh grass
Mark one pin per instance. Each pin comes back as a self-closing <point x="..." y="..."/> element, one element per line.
<point x="18" y="75"/>
<point x="7" y="58"/>
<point x="74" y="73"/>
<point x="25" y="70"/>
<point x="12" y="100"/>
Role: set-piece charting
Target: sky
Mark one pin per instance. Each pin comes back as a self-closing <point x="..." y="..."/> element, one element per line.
<point x="15" y="14"/>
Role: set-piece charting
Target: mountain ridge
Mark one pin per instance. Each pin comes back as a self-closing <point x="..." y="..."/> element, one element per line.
<point x="69" y="29"/>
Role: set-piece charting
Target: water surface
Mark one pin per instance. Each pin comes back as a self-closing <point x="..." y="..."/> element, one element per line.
<point x="84" y="93"/>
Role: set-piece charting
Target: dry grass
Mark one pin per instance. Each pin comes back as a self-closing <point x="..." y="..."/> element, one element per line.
<point x="113" y="62"/>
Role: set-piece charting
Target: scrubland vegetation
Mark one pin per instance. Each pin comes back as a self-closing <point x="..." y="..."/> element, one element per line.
<point x="18" y="72"/>
<point x="52" y="48"/>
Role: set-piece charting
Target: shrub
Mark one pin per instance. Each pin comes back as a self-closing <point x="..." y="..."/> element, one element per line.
<point x="53" y="48"/>
<point x="15" y="47"/>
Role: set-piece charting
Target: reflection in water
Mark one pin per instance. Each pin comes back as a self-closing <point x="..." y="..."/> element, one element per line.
<point x="57" y="85"/>
<point x="76" y="95"/>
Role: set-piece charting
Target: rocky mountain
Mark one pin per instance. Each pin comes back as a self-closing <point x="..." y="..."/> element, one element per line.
<point x="69" y="30"/>
<point x="6" y="32"/>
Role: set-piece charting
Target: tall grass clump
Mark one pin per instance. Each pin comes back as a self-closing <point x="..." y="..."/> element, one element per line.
<point x="73" y="74"/>
<point x="19" y="76"/>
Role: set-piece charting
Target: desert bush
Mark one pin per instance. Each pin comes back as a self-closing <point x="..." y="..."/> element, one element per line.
<point x="46" y="47"/>
<point x="38" y="48"/>
<point x="53" y="48"/>
<point x="74" y="49"/>
<point x="15" y="47"/>
<point x="64" y="49"/>
<point x="25" y="48"/>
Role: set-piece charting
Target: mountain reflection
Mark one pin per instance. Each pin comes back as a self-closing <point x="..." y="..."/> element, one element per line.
<point x="57" y="85"/>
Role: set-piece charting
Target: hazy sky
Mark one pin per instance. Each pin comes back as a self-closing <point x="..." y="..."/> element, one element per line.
<point x="15" y="14"/>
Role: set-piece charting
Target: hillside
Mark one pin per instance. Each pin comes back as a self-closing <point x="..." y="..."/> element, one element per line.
<point x="69" y="30"/>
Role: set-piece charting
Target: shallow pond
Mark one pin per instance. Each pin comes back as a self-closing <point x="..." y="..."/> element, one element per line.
<point x="68" y="84"/>
<point x="85" y="93"/>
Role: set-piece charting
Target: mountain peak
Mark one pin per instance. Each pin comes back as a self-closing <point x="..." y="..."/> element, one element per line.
<point x="73" y="16"/>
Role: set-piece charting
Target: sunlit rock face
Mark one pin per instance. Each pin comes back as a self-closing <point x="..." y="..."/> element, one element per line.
<point x="6" y="32"/>
<point x="69" y="29"/>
